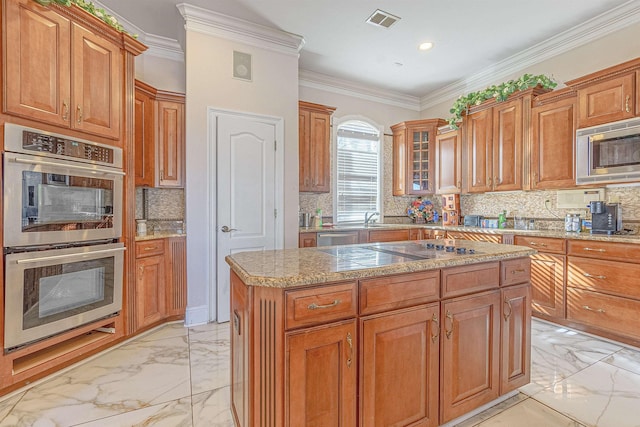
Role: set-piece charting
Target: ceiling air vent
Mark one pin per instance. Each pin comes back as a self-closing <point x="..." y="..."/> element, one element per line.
<point x="383" y="19"/>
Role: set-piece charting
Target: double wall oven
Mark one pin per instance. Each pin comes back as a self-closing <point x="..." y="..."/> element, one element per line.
<point x="62" y="211"/>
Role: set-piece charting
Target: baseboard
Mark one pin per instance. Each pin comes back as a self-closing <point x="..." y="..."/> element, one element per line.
<point x="196" y="316"/>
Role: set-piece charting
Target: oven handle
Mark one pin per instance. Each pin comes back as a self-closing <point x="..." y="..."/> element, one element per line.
<point x="44" y="162"/>
<point x="53" y="257"/>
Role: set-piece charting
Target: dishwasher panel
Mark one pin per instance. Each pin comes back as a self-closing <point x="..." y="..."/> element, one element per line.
<point x="337" y="238"/>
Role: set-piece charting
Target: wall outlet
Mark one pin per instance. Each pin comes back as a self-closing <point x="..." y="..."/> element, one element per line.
<point x="614" y="198"/>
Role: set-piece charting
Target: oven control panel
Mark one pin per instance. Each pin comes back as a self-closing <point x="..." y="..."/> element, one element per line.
<point x="33" y="141"/>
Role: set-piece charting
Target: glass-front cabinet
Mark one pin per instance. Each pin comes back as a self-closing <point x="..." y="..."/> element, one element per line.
<point x="414" y="156"/>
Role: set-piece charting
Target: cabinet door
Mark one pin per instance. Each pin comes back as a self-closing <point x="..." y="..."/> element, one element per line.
<point x="607" y="101"/>
<point x="515" y="370"/>
<point x="388" y="235"/>
<point x="304" y="148"/>
<point x="307" y="240"/>
<point x="177" y="276"/>
<point x="97" y="84"/>
<point x="399" y="369"/>
<point x="399" y="162"/>
<point x="553" y="145"/>
<point x="37" y="63"/>
<point x="170" y="144"/>
<point x="448" y="168"/>
<point x="421" y="151"/>
<point x="470" y="358"/>
<point x="507" y="146"/>
<point x="547" y="284"/>
<point x="150" y="290"/>
<point x="478" y="136"/>
<point x="144" y="144"/>
<point x="320" y="143"/>
<point x="321" y="376"/>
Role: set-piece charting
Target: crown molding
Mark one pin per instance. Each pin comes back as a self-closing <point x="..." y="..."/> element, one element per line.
<point x="159" y="46"/>
<point x="327" y="83"/>
<point x="595" y="28"/>
<point x="231" y="28"/>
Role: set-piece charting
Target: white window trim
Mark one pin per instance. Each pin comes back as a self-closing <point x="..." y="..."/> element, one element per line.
<point x="336" y="122"/>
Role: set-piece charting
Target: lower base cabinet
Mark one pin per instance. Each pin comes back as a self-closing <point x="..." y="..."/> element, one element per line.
<point x="336" y="355"/>
<point x="399" y="368"/>
<point x="321" y="376"/>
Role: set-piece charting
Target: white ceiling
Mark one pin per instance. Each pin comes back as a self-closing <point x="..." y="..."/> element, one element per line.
<point x="470" y="36"/>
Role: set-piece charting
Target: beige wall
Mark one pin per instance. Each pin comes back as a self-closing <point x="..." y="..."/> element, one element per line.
<point x="161" y="73"/>
<point x="273" y="92"/>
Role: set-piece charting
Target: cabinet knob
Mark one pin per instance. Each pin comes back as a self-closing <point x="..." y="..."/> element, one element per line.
<point x="79" y="114"/>
<point x="350" y="343"/>
<point x="436" y="322"/>
<point x="490" y="182"/>
<point x="507" y="314"/>
<point x="448" y="332"/>
<point x="497" y="180"/>
<point x="459" y="184"/>
<point x="627" y="108"/>
<point x="65" y="111"/>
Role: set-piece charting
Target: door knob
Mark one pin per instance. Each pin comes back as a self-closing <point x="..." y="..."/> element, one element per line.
<point x="226" y="229"/>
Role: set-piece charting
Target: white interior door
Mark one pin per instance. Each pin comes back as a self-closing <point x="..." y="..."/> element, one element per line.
<point x="246" y="207"/>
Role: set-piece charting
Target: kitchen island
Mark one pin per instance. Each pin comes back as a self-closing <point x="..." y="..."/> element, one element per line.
<point x="402" y="333"/>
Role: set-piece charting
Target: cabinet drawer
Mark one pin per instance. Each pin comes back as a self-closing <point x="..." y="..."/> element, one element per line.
<point x="604" y="250"/>
<point x="476" y="237"/>
<point x="468" y="279"/>
<point x="149" y="248"/>
<point x="543" y="244"/>
<point x="388" y="235"/>
<point x="616" y="314"/>
<point x="389" y="293"/>
<point x="515" y="271"/>
<point x="618" y="278"/>
<point x="306" y="307"/>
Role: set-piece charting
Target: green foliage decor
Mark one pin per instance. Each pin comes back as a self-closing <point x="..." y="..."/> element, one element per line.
<point x="498" y="92"/>
<point x="89" y="7"/>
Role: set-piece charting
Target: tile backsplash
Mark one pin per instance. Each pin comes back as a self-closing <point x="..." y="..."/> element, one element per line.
<point x="163" y="208"/>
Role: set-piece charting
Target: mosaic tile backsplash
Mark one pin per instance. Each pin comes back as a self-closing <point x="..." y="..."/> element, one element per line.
<point x="163" y="208"/>
<point x="528" y="204"/>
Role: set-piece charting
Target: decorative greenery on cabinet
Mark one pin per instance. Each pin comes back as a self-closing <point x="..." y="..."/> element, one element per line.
<point x="499" y="92"/>
<point x="89" y="7"/>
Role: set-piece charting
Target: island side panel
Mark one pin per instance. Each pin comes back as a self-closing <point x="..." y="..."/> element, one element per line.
<point x="241" y="332"/>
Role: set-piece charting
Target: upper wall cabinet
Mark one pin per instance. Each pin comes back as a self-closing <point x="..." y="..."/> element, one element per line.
<point x="413" y="156"/>
<point x="159" y="137"/>
<point x="448" y="168"/>
<point x="59" y="72"/>
<point x="608" y="95"/>
<point x="553" y="124"/>
<point x="496" y="140"/>
<point x="314" y="133"/>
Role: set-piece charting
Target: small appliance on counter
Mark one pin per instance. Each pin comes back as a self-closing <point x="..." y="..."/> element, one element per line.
<point x="605" y="218"/>
<point x="473" y="220"/>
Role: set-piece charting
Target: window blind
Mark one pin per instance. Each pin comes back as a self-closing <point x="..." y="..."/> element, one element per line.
<point x="358" y="168"/>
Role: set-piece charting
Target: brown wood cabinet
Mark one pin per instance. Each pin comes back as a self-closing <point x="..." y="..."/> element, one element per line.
<point x="477" y="237"/>
<point x="71" y="77"/>
<point x="547" y="275"/>
<point x="608" y="95"/>
<point x="160" y="137"/>
<point x="390" y="349"/>
<point x="414" y="152"/>
<point x="307" y="240"/>
<point x="314" y="134"/>
<point x="553" y="126"/>
<point x="448" y="167"/>
<point x="393" y="235"/>
<point x="399" y="362"/>
<point x="150" y="282"/>
<point x="177" y="287"/>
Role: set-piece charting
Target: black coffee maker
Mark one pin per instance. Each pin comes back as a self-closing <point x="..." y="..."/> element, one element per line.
<point x="605" y="218"/>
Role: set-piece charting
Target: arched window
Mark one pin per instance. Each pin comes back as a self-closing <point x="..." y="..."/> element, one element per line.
<point x="358" y="166"/>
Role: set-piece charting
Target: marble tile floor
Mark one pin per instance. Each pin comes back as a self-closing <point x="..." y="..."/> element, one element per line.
<point x="174" y="376"/>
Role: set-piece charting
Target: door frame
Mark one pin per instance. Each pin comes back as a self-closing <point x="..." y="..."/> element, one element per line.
<point x="212" y="142"/>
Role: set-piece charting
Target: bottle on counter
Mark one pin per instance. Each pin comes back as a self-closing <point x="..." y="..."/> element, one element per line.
<point x="141" y="227"/>
<point x="502" y="219"/>
<point x="318" y="217"/>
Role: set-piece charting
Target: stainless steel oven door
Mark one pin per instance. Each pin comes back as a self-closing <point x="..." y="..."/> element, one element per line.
<point x="49" y="292"/>
<point x="55" y="201"/>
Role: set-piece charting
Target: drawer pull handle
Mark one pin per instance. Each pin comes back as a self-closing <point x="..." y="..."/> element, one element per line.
<point x="594" y="250"/>
<point x="508" y="304"/>
<point x="626" y="104"/>
<point x="519" y="270"/>
<point x="594" y="276"/>
<point x="149" y="248"/>
<point x="450" y="331"/>
<point x="599" y="310"/>
<point x="544" y="245"/>
<point x="434" y="319"/>
<point x="350" y="343"/>
<point x="314" y="306"/>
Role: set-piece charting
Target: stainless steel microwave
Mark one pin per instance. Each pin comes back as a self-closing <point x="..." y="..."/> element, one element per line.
<point x="608" y="153"/>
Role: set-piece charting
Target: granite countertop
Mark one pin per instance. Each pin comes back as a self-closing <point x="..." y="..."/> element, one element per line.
<point x="618" y="238"/>
<point x="160" y="235"/>
<point x="297" y="267"/>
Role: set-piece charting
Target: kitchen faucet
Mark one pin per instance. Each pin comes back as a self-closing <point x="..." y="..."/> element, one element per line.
<point x="368" y="216"/>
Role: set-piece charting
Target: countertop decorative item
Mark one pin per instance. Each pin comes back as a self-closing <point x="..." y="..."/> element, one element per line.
<point x="91" y="8"/>
<point x="499" y="92"/>
<point x="420" y="210"/>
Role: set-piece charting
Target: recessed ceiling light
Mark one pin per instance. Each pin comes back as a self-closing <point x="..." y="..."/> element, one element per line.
<point x="425" y="46"/>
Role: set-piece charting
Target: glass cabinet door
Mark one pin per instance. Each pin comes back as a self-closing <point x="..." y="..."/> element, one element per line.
<point x="420" y="182"/>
